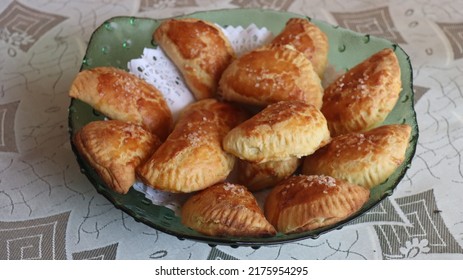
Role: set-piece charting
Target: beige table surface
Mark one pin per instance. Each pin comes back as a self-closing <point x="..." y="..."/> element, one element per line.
<point x="49" y="210"/>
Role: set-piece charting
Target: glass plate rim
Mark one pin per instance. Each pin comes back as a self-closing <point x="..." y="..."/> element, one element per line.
<point x="233" y="241"/>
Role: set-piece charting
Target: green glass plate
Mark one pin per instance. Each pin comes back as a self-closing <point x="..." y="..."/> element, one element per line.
<point x="121" y="39"/>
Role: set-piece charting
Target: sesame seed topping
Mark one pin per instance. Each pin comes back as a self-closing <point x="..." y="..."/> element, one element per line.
<point x="321" y="180"/>
<point x="233" y="188"/>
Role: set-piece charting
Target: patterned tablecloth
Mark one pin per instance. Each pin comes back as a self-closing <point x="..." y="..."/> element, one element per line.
<point x="49" y="210"/>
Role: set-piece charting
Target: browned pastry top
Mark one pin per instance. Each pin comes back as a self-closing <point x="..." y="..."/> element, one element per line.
<point x="307" y="38"/>
<point x="114" y="149"/>
<point x="226" y="210"/>
<point x="122" y="96"/>
<point x="363" y="97"/>
<point x="192" y="157"/>
<point x="302" y="203"/>
<point x="366" y="159"/>
<point x="271" y="74"/>
<point x="200" y="51"/>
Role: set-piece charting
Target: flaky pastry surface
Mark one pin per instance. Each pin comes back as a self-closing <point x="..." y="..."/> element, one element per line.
<point x="365" y="159"/>
<point x="226" y="209"/>
<point x="301" y="203"/>
<point x="363" y="97"/>
<point x="307" y="38"/>
<point x="114" y="149"/>
<point x="200" y="51"/>
<point x="192" y="157"/>
<point x="271" y="74"/>
<point x="280" y="131"/>
<point x="123" y="96"/>
<point x="259" y="176"/>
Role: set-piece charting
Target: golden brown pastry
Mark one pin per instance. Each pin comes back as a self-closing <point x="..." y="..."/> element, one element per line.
<point x="259" y="176"/>
<point x="226" y="210"/>
<point x="302" y="203"/>
<point x="271" y="74"/>
<point x="307" y="38"/>
<point x="200" y="51"/>
<point x="192" y="157"/>
<point x="280" y="131"/>
<point x="122" y="96"/>
<point x="366" y="159"/>
<point x="363" y="97"/>
<point x="114" y="149"/>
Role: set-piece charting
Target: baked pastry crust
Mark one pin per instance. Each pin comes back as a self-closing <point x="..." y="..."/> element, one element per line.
<point x="303" y="203"/>
<point x="122" y="96"/>
<point x="307" y="38"/>
<point x="280" y="131"/>
<point x="226" y="210"/>
<point x="271" y="74"/>
<point x="192" y="157"/>
<point x="363" y="97"/>
<point x="366" y="159"/>
<point x="259" y="176"/>
<point x="114" y="149"/>
<point x="200" y="51"/>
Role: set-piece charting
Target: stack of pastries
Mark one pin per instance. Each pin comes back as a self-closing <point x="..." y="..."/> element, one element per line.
<point x="263" y="116"/>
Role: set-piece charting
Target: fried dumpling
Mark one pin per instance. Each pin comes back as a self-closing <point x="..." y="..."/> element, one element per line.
<point x="259" y="176"/>
<point x="366" y="159"/>
<point x="200" y="51"/>
<point x="363" y="97"/>
<point x="280" y="131"/>
<point x="122" y="96"/>
<point x="192" y="157"/>
<point x="307" y="38"/>
<point x="226" y="209"/>
<point x="271" y="74"/>
<point x="302" y="203"/>
<point x="114" y="149"/>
